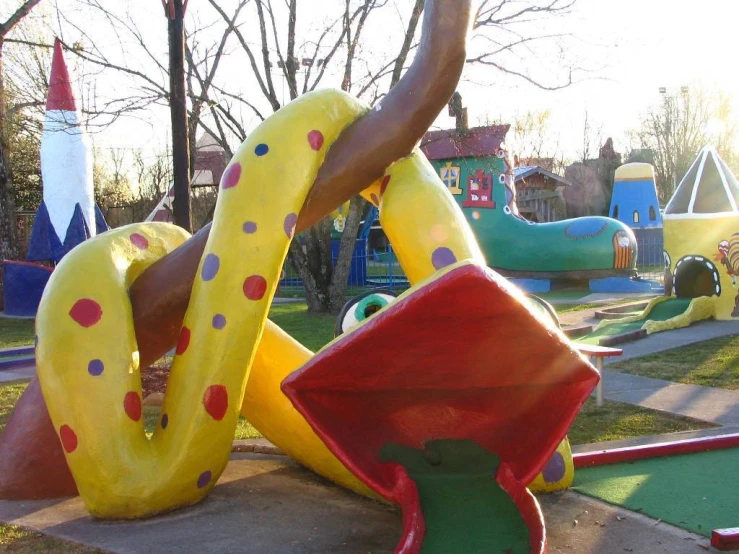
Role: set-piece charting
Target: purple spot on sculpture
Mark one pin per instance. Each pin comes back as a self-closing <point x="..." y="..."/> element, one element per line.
<point x="165" y="421"/>
<point x="219" y="321"/>
<point x="211" y="264"/>
<point x="290" y="221"/>
<point x="555" y="468"/>
<point x="204" y="479"/>
<point x="442" y="257"/>
<point x="250" y="227"/>
<point x="95" y="367"/>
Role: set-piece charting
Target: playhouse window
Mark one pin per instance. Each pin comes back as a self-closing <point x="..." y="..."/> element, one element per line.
<point x="652" y="214"/>
<point x="615" y="212"/>
<point x="636" y="216"/>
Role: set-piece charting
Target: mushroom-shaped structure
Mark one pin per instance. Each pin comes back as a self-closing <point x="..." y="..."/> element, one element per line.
<point x="451" y="432"/>
<point x="701" y="226"/>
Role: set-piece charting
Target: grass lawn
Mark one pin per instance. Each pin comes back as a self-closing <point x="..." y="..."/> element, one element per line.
<point x="15" y="332"/>
<point x="711" y="363"/>
<point x="615" y="421"/>
<point x="22" y="541"/>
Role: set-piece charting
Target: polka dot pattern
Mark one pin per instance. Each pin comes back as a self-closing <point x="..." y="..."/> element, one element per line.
<point x="215" y="401"/>
<point x="442" y="257"/>
<point x="261" y="149"/>
<point x="211" y="265"/>
<point x="375" y="200"/>
<point x="183" y="341"/>
<point x="255" y="287"/>
<point x="165" y="421"/>
<point x="219" y="321"/>
<point x="315" y="139"/>
<point x="86" y="312"/>
<point x="95" y="367"/>
<point x="204" y="479"/>
<point x="289" y="225"/>
<point x="231" y="176"/>
<point x="555" y="468"/>
<point x="132" y="405"/>
<point x="68" y="438"/>
<point x="139" y="241"/>
<point x="249" y="227"/>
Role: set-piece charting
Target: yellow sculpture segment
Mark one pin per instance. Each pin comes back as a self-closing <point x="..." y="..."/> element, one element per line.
<point x="226" y="360"/>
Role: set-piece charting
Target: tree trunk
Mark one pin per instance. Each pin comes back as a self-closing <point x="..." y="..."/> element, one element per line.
<point x="178" y="111"/>
<point x="342" y="268"/>
<point x="8" y="238"/>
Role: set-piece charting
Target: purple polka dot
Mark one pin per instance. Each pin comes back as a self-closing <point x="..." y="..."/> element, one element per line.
<point x="261" y="149"/>
<point x="204" y="479"/>
<point x="211" y="264"/>
<point x="555" y="469"/>
<point x="95" y="367"/>
<point x="442" y="257"/>
<point x="250" y="227"/>
<point x="219" y="321"/>
<point x="165" y="421"/>
<point x="290" y="221"/>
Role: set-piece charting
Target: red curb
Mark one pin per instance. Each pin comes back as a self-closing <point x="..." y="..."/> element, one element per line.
<point x="725" y="539"/>
<point x="643" y="452"/>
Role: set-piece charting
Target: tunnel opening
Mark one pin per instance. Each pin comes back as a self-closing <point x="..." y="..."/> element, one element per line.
<point x="696" y="276"/>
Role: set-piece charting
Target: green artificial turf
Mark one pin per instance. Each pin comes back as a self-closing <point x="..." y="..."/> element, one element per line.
<point x="661" y="312"/>
<point x="695" y="491"/>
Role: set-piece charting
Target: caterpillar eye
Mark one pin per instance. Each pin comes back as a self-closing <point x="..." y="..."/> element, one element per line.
<point x="362" y="307"/>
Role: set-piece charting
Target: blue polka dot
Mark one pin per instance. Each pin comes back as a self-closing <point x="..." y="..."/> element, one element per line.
<point x="211" y="264"/>
<point x="249" y="227"/>
<point x="165" y="421"/>
<point x="95" y="367"/>
<point x="219" y="321"/>
<point x="204" y="479"/>
<point x="261" y="149"/>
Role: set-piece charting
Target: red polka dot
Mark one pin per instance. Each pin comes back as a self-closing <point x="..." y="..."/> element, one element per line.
<point x="383" y="185"/>
<point x="375" y="200"/>
<point x="184" y="341"/>
<point x="255" y="287"/>
<point x="315" y="139"/>
<point x="132" y="405"/>
<point x="231" y="176"/>
<point x="139" y="241"/>
<point x="86" y="312"/>
<point x="215" y="401"/>
<point x="69" y="438"/>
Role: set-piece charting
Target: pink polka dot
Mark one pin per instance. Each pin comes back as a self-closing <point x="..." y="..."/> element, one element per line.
<point x="86" y="312"/>
<point x="68" y="438"/>
<point x="215" y="401"/>
<point x="289" y="225"/>
<point x="231" y="176"/>
<point x="139" y="241"/>
<point x="183" y="341"/>
<point x="315" y="139"/>
<point x="132" y="405"/>
<point x="383" y="185"/>
<point x="255" y="287"/>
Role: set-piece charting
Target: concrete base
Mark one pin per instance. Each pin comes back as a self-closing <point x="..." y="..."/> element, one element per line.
<point x="268" y="504"/>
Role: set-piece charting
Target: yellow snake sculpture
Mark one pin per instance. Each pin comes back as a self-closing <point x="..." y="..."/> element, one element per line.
<point x="229" y="357"/>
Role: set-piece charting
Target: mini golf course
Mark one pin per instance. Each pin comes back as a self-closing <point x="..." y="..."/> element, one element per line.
<point x="692" y="491"/>
<point x="660" y="312"/>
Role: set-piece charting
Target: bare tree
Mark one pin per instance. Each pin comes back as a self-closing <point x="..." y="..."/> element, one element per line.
<point x="675" y="130"/>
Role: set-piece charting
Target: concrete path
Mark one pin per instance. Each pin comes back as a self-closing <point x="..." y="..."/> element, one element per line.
<point x="19" y="373"/>
<point x="268" y="504"/>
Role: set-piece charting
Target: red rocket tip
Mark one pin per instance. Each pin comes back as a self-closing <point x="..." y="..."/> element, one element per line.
<point x="60" y="88"/>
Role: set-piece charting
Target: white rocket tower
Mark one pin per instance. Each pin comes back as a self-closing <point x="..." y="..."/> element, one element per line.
<point x="67" y="215"/>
